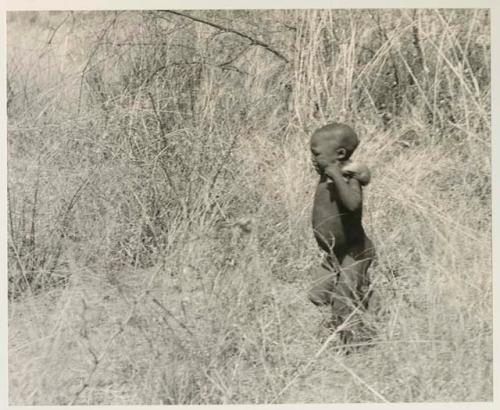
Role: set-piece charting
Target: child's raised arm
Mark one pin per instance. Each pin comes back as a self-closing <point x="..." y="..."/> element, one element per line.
<point x="349" y="191"/>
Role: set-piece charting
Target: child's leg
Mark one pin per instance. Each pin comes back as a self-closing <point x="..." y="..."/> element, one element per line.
<point x="352" y="293"/>
<point x="351" y="288"/>
<point x="367" y="257"/>
<point x="321" y="291"/>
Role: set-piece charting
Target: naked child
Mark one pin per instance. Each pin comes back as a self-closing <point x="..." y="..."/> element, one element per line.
<point x="342" y="279"/>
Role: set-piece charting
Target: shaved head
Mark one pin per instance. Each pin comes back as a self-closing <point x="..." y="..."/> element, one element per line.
<point x="336" y="135"/>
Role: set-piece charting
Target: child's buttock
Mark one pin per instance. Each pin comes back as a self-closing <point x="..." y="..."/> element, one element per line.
<point x="362" y="250"/>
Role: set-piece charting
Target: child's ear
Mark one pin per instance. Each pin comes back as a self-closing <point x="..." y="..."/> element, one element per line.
<point x="341" y="153"/>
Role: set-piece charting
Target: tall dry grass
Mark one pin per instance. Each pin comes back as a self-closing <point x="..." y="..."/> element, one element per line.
<point x="160" y="193"/>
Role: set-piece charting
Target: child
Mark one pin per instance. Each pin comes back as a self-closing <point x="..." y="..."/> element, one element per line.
<point x="342" y="281"/>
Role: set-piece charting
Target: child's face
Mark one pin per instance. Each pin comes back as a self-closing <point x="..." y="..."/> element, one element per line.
<point x="326" y="150"/>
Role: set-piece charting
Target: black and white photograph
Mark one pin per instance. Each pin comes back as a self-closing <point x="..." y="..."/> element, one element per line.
<point x="210" y="206"/>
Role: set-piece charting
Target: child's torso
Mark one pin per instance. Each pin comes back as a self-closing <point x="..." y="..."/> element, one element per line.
<point x="334" y="226"/>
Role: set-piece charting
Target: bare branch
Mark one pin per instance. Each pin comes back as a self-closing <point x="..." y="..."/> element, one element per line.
<point x="55" y="30"/>
<point x="253" y="40"/>
<point x="91" y="56"/>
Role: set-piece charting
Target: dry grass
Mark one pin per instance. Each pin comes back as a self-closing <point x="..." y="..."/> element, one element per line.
<point x="160" y="193"/>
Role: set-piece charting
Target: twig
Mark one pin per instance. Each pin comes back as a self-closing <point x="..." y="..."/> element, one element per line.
<point x="223" y="162"/>
<point x="360" y="380"/>
<point x="236" y="57"/>
<point x="33" y="217"/>
<point x="93" y="52"/>
<point x="332" y="337"/>
<point x="163" y="133"/>
<point x="21" y="267"/>
<point x="170" y="314"/>
<point x="49" y="41"/>
<point x="417" y="43"/>
<point x="252" y="40"/>
<point x="97" y="359"/>
<point x="395" y="74"/>
<point x="74" y="199"/>
<point x="52" y="35"/>
<point x="11" y="218"/>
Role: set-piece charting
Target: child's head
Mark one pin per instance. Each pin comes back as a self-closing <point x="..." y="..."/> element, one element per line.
<point x="331" y="143"/>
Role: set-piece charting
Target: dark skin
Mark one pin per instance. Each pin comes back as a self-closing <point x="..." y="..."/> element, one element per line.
<point x="342" y="279"/>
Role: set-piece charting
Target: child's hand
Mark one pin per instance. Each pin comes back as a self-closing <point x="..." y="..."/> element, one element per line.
<point x="358" y="171"/>
<point x="320" y="164"/>
<point x="332" y="169"/>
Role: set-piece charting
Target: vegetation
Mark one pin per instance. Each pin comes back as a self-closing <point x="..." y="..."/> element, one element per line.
<point x="160" y="190"/>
